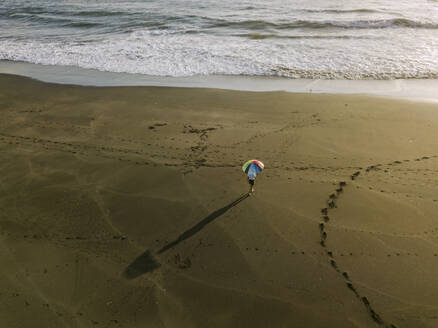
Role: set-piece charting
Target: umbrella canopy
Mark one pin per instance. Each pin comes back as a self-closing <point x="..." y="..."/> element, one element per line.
<point x="259" y="166"/>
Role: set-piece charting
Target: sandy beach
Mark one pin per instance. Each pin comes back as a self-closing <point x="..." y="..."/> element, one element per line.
<point x="127" y="207"/>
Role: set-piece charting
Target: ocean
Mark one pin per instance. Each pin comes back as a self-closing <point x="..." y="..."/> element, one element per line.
<point x="297" y="39"/>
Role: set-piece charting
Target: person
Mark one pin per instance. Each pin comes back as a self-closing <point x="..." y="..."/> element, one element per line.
<point x="252" y="172"/>
<point x="252" y="168"/>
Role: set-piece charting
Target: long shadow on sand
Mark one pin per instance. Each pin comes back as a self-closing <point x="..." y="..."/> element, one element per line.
<point x="196" y="228"/>
<point x="147" y="263"/>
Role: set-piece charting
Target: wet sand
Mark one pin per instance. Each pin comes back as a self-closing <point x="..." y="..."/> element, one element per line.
<point x="127" y="207"/>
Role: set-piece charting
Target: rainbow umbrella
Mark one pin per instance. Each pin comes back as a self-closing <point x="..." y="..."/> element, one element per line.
<point x="256" y="164"/>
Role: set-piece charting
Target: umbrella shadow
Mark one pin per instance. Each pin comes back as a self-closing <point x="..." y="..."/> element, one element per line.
<point x="143" y="264"/>
<point x="147" y="263"/>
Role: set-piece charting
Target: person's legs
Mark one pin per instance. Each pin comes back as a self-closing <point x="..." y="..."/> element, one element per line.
<point x="251" y="186"/>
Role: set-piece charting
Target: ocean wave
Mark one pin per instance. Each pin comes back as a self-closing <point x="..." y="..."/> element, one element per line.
<point x="98" y="13"/>
<point x="23" y="12"/>
<point x="259" y="36"/>
<point x="56" y="20"/>
<point x="313" y="24"/>
<point x="351" y="74"/>
<point x="126" y="22"/>
<point x="184" y="38"/>
<point x="139" y="20"/>
<point x="163" y="53"/>
<point x="82" y="24"/>
<point x="343" y="11"/>
<point x="41" y="18"/>
<point x="371" y="24"/>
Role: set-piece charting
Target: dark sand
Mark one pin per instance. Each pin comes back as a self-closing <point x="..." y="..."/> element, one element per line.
<point x="123" y="207"/>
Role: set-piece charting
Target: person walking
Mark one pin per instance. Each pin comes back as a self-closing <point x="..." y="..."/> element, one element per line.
<point x="252" y="168"/>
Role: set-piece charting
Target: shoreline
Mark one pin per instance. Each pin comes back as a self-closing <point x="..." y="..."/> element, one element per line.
<point x="410" y="89"/>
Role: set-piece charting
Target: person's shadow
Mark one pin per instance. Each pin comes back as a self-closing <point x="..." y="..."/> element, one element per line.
<point x="147" y="263"/>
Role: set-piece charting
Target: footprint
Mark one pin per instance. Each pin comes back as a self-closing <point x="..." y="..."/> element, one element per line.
<point x="350" y="286"/>
<point x="376" y="317"/>
<point x="365" y="301"/>
<point x="334" y="265"/>
<point x="373" y="313"/>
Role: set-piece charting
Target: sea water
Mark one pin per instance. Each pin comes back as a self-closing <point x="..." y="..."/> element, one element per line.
<point x="296" y="39"/>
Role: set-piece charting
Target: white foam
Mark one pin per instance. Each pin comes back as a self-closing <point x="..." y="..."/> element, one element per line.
<point x="163" y="53"/>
